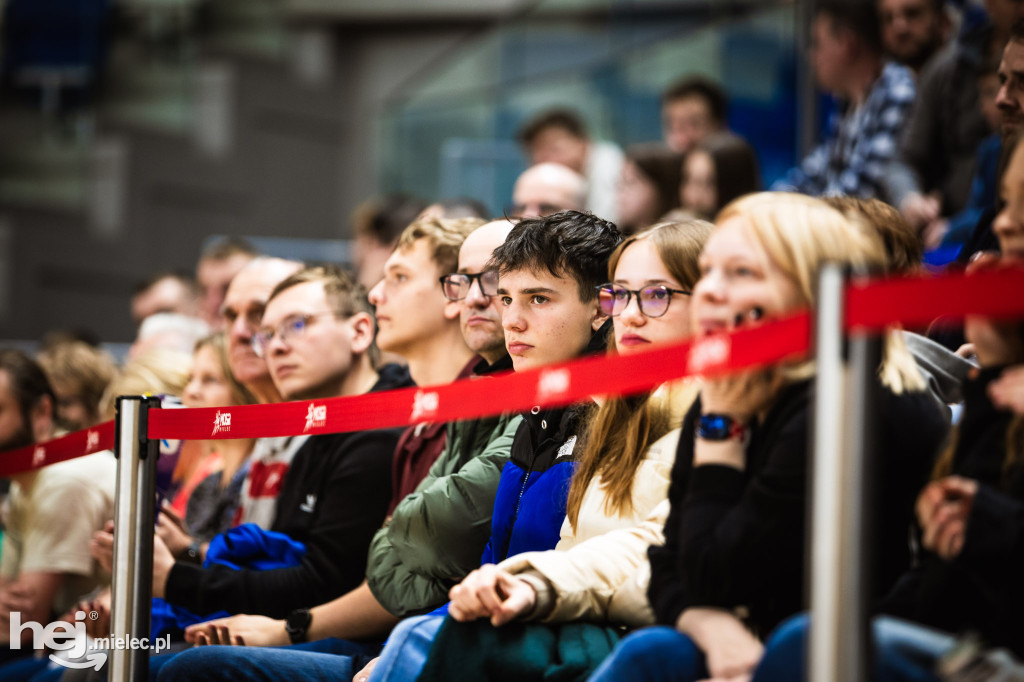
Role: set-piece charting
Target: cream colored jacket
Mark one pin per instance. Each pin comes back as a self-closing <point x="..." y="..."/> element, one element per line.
<point x="600" y="572"/>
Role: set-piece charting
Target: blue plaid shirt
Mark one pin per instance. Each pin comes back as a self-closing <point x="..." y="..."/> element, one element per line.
<point x="853" y="158"/>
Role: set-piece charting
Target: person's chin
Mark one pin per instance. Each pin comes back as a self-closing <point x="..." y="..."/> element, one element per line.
<point x="523" y="364"/>
<point x="252" y="373"/>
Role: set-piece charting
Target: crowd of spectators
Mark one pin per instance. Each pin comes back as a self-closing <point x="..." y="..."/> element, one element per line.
<point x="657" y="536"/>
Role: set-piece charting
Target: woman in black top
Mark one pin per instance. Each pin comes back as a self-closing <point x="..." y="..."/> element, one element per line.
<point x="732" y="565"/>
<point x="971" y="516"/>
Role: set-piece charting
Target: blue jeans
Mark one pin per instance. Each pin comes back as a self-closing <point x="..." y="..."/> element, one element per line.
<point x="904" y="652"/>
<point x="658" y="654"/>
<point x="325" y="659"/>
<point x="405" y="652"/>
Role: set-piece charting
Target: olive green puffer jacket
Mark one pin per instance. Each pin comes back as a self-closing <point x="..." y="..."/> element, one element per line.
<point x="437" y="534"/>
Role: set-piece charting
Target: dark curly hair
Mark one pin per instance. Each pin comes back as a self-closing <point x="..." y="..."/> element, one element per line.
<point x="566" y="244"/>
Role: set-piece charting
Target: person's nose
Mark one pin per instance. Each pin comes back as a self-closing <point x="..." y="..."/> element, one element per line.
<point x="475" y="296"/>
<point x="631" y="315"/>
<point x="512" y="318"/>
<point x="376" y="294"/>
<point x="1005" y="223"/>
<point x="1003" y="99"/>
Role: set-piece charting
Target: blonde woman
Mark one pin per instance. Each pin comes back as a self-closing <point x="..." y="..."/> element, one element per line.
<point x="205" y="505"/>
<point x="732" y="564"/>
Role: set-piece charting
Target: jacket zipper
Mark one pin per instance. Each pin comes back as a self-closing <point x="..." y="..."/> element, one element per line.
<point x="522" y="489"/>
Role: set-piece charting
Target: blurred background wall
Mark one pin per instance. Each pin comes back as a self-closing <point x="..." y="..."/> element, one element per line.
<point x="133" y="131"/>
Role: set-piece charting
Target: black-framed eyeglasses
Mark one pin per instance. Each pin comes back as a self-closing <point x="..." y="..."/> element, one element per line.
<point x="653" y="300"/>
<point x="457" y="285"/>
<point x="291" y="327"/>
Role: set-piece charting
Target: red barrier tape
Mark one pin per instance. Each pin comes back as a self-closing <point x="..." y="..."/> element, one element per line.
<point x="77" y="444"/>
<point x="871" y="305"/>
<point x="555" y="385"/>
<point x="917" y="301"/>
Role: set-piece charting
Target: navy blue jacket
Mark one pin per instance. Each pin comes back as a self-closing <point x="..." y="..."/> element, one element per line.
<point x="529" y="506"/>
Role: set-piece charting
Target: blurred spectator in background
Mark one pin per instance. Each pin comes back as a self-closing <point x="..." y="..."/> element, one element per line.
<point x="51" y="513"/>
<point x="720" y="169"/>
<point x="692" y="109"/>
<point x="243" y="311"/>
<point x="1010" y="101"/>
<point x="846" y="53"/>
<point x="954" y="232"/>
<point x="914" y="30"/>
<point x="218" y="264"/>
<point x="207" y="500"/>
<point x="156" y="372"/>
<point x="376" y="225"/>
<point x="79" y="374"/>
<point x="453" y="209"/>
<point x="165" y="292"/>
<point x="560" y="136"/>
<point x="649" y="186"/>
<point x="547" y="188"/>
<point x="173" y="331"/>
<point x="56" y="337"/>
<point x="931" y="175"/>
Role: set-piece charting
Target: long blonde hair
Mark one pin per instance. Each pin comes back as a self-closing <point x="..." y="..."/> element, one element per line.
<point x="800" y="234"/>
<point x="622" y="428"/>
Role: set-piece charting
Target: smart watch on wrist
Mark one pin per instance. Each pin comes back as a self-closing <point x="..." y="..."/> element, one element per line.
<point x="719" y="427"/>
<point x="194" y="553"/>
<point x="297" y="625"/>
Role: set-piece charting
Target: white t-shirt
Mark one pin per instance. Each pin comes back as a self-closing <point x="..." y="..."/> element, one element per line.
<point x="50" y="518"/>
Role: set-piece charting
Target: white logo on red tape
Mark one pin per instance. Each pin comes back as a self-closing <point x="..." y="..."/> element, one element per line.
<point x="221" y="422"/>
<point x="92" y="440"/>
<point x="424" y="405"/>
<point x="316" y="416"/>
<point x="710" y="351"/>
<point x="553" y="383"/>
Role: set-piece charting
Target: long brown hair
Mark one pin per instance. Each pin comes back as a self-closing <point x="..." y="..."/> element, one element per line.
<point x="622" y="428"/>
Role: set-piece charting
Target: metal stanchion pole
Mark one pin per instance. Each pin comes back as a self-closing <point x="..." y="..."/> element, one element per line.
<point x="842" y="432"/>
<point x="134" y="506"/>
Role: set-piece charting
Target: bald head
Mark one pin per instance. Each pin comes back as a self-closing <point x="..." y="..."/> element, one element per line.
<point x="548" y="188"/>
<point x="479" y="315"/>
<point x="244" y="302"/>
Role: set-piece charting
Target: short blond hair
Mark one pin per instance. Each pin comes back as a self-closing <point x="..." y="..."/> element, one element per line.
<point x="158" y="371"/>
<point x="445" y="236"/>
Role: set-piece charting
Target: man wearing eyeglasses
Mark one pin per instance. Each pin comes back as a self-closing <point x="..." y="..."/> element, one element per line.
<point x="316" y="336"/>
<point x="547" y="188"/>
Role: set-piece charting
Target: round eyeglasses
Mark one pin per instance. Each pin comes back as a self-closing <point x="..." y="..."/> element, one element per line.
<point x="653" y="300"/>
<point x="456" y="286"/>
<point x="291" y="327"/>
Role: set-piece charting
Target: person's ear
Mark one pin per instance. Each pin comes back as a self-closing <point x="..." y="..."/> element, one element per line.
<point x="361" y="325"/>
<point x="599" y="316"/>
<point x="452" y="310"/>
<point x="41" y="417"/>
